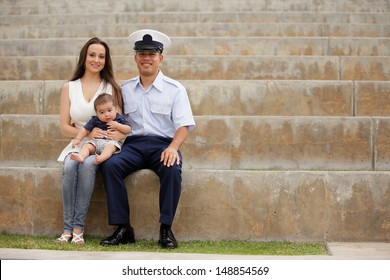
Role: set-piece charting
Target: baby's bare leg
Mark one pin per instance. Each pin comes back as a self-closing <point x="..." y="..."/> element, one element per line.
<point x="86" y="150"/>
<point x="106" y="153"/>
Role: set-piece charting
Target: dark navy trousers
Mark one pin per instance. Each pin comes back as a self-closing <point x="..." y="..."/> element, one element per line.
<point x="141" y="152"/>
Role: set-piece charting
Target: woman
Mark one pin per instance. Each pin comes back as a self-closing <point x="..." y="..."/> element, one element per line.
<point x="93" y="76"/>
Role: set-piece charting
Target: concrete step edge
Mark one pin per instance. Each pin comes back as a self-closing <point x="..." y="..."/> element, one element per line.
<point x="276" y="46"/>
<point x="360" y="6"/>
<point x="199" y="29"/>
<point x="58" y="166"/>
<point x="173" y="17"/>
<point x="220" y="67"/>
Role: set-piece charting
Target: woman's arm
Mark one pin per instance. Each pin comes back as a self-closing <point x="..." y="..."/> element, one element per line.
<point x="67" y="129"/>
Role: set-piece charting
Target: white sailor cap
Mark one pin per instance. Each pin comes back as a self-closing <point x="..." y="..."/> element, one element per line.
<point x="149" y="40"/>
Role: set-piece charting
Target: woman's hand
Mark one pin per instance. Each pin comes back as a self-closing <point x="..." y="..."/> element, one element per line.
<point x="97" y="133"/>
<point x="115" y="135"/>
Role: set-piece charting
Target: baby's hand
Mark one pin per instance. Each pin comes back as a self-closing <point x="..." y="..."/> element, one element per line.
<point x="112" y="125"/>
<point x="75" y="142"/>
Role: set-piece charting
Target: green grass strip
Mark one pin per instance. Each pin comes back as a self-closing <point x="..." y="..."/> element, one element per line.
<point x="193" y="247"/>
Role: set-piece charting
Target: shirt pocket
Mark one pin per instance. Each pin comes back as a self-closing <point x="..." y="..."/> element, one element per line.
<point x="164" y="111"/>
<point x="133" y="116"/>
<point x="161" y="116"/>
<point x="129" y="109"/>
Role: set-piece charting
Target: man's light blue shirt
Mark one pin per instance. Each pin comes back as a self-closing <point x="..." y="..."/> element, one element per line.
<point x="159" y="110"/>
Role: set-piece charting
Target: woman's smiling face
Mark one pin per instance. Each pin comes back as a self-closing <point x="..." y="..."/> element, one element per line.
<point x="96" y="58"/>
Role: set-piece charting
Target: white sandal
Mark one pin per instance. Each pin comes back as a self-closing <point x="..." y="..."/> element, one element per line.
<point x="64" y="238"/>
<point x="78" y="238"/>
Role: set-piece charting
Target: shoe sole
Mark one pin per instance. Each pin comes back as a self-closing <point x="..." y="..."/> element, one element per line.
<point x="120" y="243"/>
<point x="167" y="247"/>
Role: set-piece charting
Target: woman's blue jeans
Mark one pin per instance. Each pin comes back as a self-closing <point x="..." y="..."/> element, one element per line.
<point x="78" y="181"/>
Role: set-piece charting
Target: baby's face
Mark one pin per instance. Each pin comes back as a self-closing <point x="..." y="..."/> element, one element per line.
<point x="106" y="112"/>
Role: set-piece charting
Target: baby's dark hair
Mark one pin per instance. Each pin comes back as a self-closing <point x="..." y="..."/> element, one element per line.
<point x="103" y="99"/>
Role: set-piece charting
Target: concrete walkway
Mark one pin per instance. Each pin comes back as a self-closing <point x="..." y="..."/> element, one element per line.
<point x="337" y="251"/>
<point x="358" y="261"/>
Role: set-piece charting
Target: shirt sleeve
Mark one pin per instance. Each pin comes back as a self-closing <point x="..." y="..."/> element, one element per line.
<point x="182" y="113"/>
<point x="90" y="124"/>
<point x="122" y="119"/>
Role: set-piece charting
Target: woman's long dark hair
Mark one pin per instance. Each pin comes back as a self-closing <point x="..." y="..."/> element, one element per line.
<point x="107" y="73"/>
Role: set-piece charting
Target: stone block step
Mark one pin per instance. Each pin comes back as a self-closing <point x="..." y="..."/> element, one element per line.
<point x="199" y="29"/>
<point x="222" y="67"/>
<point x="232" y="142"/>
<point x="278" y="46"/>
<point x="118" y="6"/>
<point x="76" y="17"/>
<point x="232" y="97"/>
<point x="224" y="205"/>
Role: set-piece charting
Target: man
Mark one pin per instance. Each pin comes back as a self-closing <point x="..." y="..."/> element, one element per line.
<point x="160" y="115"/>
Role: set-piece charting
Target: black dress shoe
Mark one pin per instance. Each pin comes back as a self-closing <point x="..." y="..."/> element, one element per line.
<point x="167" y="239"/>
<point x="122" y="235"/>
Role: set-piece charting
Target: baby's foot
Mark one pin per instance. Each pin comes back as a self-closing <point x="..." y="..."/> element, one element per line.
<point x="76" y="157"/>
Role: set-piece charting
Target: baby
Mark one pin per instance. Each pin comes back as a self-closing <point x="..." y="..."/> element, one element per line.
<point x="106" y="118"/>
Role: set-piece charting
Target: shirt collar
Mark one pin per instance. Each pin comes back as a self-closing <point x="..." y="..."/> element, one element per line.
<point x="158" y="81"/>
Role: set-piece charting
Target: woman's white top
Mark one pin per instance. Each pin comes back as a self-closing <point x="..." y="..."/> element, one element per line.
<point x="81" y="110"/>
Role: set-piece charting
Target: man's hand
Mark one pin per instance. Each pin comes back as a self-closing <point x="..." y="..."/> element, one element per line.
<point x="169" y="156"/>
